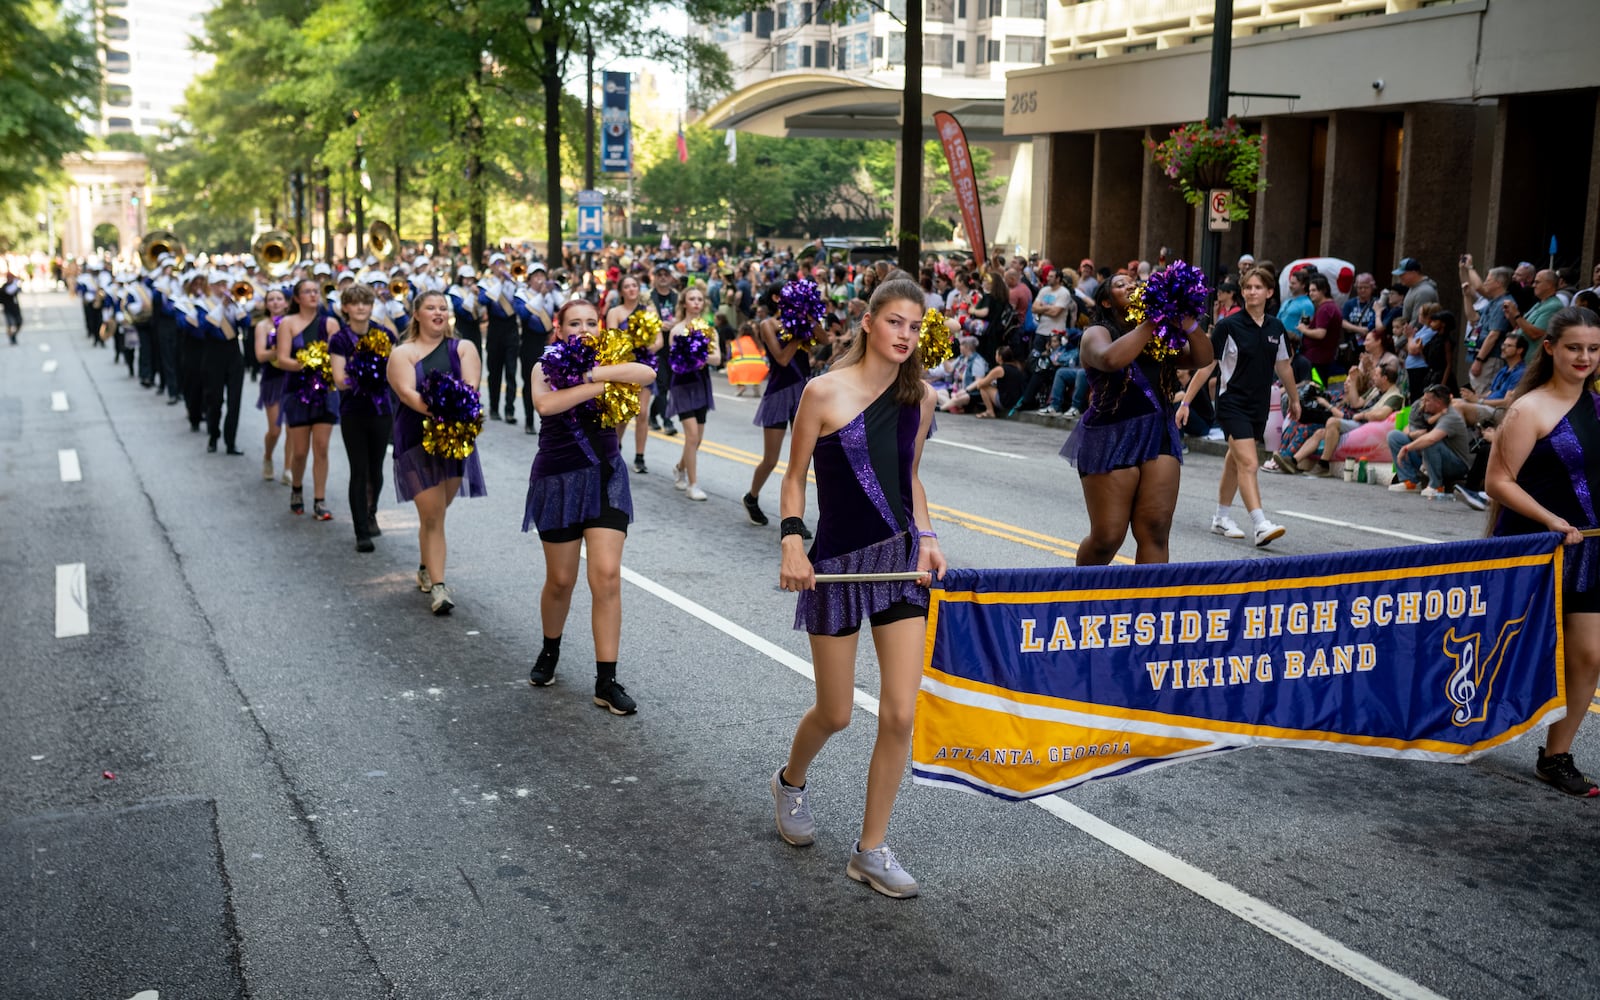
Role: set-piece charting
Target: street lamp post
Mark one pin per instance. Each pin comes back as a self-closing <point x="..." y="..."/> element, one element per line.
<point x="361" y="215"/>
<point x="1216" y="114"/>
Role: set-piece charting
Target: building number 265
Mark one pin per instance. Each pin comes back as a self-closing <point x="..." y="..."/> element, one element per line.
<point x="1024" y="103"/>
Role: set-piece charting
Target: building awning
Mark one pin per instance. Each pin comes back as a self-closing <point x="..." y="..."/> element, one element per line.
<point x="838" y="106"/>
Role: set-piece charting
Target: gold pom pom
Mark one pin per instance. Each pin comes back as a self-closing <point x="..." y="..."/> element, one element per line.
<point x="315" y="357"/>
<point x="1135" y="306"/>
<point x="619" y="403"/>
<point x="933" y="339"/>
<point x="613" y="347"/>
<point x="644" y="327"/>
<point x="376" y="341"/>
<point x="450" y="438"/>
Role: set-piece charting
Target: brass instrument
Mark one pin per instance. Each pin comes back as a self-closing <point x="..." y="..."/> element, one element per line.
<point x="276" y="252"/>
<point x="519" y="270"/>
<point x="381" y="240"/>
<point x="244" y="293"/>
<point x="158" y="242"/>
<point x="400" y="288"/>
<point x="328" y="290"/>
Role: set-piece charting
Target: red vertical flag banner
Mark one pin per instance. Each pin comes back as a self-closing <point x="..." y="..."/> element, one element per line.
<point x="954" y="140"/>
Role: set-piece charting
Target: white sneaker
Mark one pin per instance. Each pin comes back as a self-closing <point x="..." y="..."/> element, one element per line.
<point x="1216" y="434"/>
<point x="1429" y="493"/>
<point x="1222" y="524"/>
<point x="1266" y="531"/>
<point x="680" y="478"/>
<point x="695" y="492"/>
<point x="1048" y="411"/>
<point x="1072" y="413"/>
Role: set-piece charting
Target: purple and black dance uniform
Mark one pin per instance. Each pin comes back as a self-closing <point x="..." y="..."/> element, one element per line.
<point x="865" y="521"/>
<point x="415" y="469"/>
<point x="689" y="394"/>
<point x="1562" y="472"/>
<point x="366" y="422"/>
<point x="578" y="480"/>
<point x="302" y="408"/>
<point x="272" y="377"/>
<point x="1128" y="421"/>
<point x="785" y="383"/>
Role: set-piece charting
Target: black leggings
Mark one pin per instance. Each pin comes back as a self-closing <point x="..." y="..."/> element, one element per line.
<point x="366" y="440"/>
<point x="505" y="348"/>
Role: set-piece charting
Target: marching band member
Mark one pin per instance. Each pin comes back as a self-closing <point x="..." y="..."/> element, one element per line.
<point x="430" y="481"/>
<point x="221" y="363"/>
<point x="191" y="376"/>
<point x="89" y="295"/>
<point x="863" y="423"/>
<point x="11" y="305"/>
<point x="388" y="311"/>
<point x="579" y="499"/>
<point x="165" y="291"/>
<point x="130" y="299"/>
<point x="689" y="394"/>
<point x="365" y="420"/>
<point x="270" y="397"/>
<point x="536" y="305"/>
<point x="497" y="293"/>
<point x="422" y="277"/>
<point x="310" y="419"/>
<point x="463" y="296"/>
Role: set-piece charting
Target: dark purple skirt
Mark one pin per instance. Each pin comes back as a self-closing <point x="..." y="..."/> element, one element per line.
<point x="832" y="607"/>
<point x="563" y="499"/>
<point x="296" y="412"/>
<point x="690" y="395"/>
<point x="778" y="406"/>
<point x="271" y="393"/>
<point x="1093" y="449"/>
<point x="415" y="470"/>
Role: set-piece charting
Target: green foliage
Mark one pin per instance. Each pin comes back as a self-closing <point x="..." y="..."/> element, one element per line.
<point x="1197" y="158"/>
<point x="941" y="211"/>
<point x="49" y="82"/>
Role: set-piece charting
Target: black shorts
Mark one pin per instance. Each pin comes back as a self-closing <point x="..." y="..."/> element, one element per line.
<point x="326" y="418"/>
<point x="1580" y="603"/>
<point x="609" y="517"/>
<point x="899" y="611"/>
<point x="1237" y="423"/>
<point x="699" y="416"/>
<point x="785" y="426"/>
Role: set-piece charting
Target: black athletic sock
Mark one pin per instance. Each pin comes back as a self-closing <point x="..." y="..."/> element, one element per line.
<point x="783" y="779"/>
<point x="605" y="670"/>
<point x="638" y="456"/>
<point x="552" y="647"/>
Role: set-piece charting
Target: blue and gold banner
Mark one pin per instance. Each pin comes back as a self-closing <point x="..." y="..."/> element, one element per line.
<point x="1037" y="680"/>
<point x="616" y="125"/>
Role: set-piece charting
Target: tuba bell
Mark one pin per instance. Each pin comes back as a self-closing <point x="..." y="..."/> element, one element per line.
<point x="381" y="240"/>
<point x="400" y="288"/>
<point x="158" y="242"/>
<point x="519" y="270"/>
<point x="276" y="252"/>
<point x="244" y="293"/>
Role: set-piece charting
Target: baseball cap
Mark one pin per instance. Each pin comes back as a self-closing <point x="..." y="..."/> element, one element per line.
<point x="535" y="266"/>
<point x="1407" y="264"/>
<point x="217" y="278"/>
<point x="466" y="271"/>
<point x="376" y="278"/>
<point x="321" y="268"/>
<point x="497" y="258"/>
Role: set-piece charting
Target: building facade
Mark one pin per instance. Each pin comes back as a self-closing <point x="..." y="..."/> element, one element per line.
<point x="147" y="61"/>
<point x="1394" y="128"/>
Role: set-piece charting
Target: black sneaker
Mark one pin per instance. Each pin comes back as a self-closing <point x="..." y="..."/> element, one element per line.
<point x="752" y="507"/>
<point x="364" y="544"/>
<point x="528" y="428"/>
<point x="611" y="696"/>
<point x="639" y="466"/>
<point x="669" y="428"/>
<point x="1472" y="498"/>
<point x="1559" y="770"/>
<point x="655" y="424"/>
<point x="543" y="673"/>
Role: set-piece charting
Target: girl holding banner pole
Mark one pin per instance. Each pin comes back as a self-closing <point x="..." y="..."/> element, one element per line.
<point x="863" y="423"/>
<point x="1127" y="448"/>
<point x="1544" y="475"/>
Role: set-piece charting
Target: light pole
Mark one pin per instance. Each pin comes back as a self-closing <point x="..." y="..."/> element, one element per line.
<point x="361" y="215"/>
<point x="1216" y="114"/>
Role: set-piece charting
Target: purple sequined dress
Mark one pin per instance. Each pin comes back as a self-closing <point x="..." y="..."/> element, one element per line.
<point x="577" y="471"/>
<point x="272" y="377"/>
<point x="782" y="396"/>
<point x="1562" y="472"/>
<point x="864" y="517"/>
<point x="324" y="406"/>
<point x="414" y="469"/>
<point x="689" y="392"/>
<point x="1127" y="424"/>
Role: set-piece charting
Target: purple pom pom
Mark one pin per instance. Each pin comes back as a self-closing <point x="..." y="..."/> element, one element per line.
<point x="566" y="361"/>
<point x="1173" y="293"/>
<point x="688" y="353"/>
<point x="368" y="374"/>
<point x="800" y="309"/>
<point x="450" y="399"/>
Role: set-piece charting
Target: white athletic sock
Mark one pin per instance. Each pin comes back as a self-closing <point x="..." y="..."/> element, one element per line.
<point x="1223" y="511"/>
<point x="1258" y="517"/>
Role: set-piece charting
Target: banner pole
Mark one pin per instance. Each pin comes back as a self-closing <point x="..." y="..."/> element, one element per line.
<point x="869" y="577"/>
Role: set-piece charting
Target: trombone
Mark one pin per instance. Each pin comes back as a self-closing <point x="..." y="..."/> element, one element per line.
<point x="381" y="240"/>
<point x="519" y="270"/>
<point x="276" y="252"/>
<point x="157" y="243"/>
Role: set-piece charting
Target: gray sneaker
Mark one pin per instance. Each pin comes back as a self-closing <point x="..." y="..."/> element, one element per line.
<point x="424" y="581"/>
<point x="793" y="805"/>
<point x="441" y="599"/>
<point x="879" y="869"/>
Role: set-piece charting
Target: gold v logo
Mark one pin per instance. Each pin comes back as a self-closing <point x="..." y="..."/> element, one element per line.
<point x="1471" y="684"/>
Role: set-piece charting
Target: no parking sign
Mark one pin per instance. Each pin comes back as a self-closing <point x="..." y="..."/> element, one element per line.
<point x="1217" y="220"/>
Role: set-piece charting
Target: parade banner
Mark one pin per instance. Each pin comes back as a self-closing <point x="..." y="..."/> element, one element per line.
<point x="1037" y="680"/>
<point x="954" y="140"/>
<point x="616" y="125"/>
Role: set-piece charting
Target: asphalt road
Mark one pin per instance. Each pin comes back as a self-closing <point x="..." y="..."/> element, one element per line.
<point x="266" y="771"/>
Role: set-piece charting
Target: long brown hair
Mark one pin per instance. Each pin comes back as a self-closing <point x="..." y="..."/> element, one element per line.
<point x="1542" y="365"/>
<point x="908" y="385"/>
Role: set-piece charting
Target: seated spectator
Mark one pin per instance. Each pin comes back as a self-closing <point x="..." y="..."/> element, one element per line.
<point x="1069" y="382"/>
<point x="1375" y="348"/>
<point x="999" y="388"/>
<point x="958" y="373"/>
<point x="1486" y="410"/>
<point x="1532" y="324"/>
<point x="1436" y="443"/>
<point x="1194" y="419"/>
<point x="1382" y="403"/>
<point x="1058" y="352"/>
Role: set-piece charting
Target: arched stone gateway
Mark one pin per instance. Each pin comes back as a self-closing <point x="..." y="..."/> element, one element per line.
<point x="107" y="189"/>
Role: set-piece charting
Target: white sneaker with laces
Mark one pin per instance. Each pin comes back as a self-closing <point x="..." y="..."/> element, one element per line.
<point x="1222" y="524"/>
<point x="695" y="492"/>
<point x="1266" y="531"/>
<point x="1429" y="493"/>
<point x="795" y="824"/>
<point x="880" y="869"/>
<point x="680" y="478"/>
<point x="1072" y="413"/>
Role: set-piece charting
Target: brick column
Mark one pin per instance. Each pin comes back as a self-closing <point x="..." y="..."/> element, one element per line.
<point x="1280" y="216"/>
<point x="1115" y="203"/>
<point x="1349" y="205"/>
<point x="1164" y="217"/>
<point x="1068" y="186"/>
<point x="1436" y="188"/>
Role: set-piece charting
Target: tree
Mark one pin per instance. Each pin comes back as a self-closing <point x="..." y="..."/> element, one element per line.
<point x="49" y="83"/>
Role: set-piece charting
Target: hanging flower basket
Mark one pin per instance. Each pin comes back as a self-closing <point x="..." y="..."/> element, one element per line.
<point x="1198" y="158"/>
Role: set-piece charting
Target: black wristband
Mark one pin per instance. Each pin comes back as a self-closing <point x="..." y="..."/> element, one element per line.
<point x="792" y="526"/>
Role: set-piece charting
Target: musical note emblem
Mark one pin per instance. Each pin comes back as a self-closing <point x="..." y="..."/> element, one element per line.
<point x="1471" y="684"/>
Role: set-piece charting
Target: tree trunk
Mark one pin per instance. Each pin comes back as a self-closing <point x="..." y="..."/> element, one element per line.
<point x="910" y="237"/>
<point x="477" y="206"/>
<point x="552" y="148"/>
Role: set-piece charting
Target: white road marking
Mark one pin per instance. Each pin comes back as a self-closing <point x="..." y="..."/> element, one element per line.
<point x="58" y="401"/>
<point x="737" y="399"/>
<point x="49" y="366"/>
<point x="44" y="347"/>
<point x="1296" y="933"/>
<point x="973" y="447"/>
<point x="72" y="600"/>
<point x="71" y="471"/>
<point x="1359" y="527"/>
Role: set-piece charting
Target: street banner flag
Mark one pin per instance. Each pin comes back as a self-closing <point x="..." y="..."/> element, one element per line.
<point x="962" y="180"/>
<point x="683" y="146"/>
<point x="1038" y="680"/>
<point x="616" y="140"/>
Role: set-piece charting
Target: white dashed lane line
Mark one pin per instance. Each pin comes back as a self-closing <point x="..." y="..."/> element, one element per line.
<point x="71" y="471"/>
<point x="58" y="401"/>
<point x="49" y="366"/>
<point x="72" y="600"/>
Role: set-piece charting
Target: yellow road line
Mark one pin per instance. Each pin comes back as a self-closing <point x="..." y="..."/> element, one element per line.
<point x="971" y="522"/>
